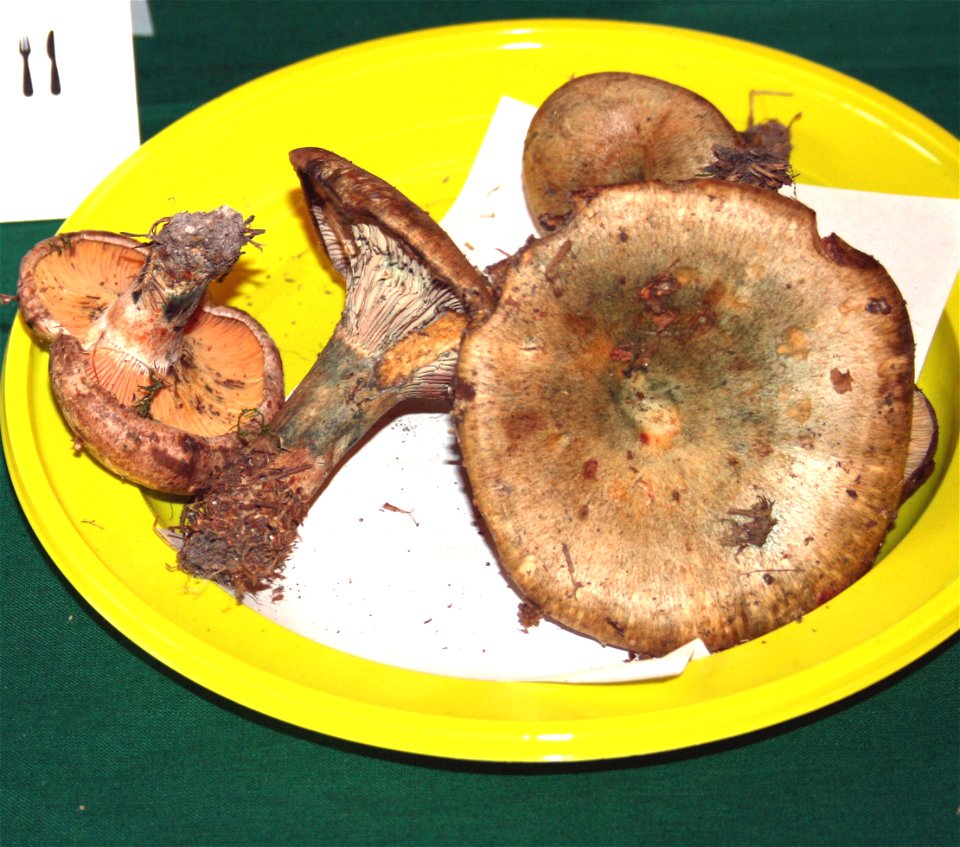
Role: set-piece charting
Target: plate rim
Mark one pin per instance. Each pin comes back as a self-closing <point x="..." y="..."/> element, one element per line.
<point x="500" y="740"/>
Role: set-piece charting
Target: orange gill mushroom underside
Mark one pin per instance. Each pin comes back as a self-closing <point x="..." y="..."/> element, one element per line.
<point x="157" y="383"/>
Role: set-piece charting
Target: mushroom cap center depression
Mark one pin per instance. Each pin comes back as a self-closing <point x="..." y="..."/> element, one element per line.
<point x="656" y="416"/>
<point x="681" y="380"/>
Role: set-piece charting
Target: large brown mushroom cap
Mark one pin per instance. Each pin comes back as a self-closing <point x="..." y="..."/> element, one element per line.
<point x="164" y="398"/>
<point x="609" y="128"/>
<point x="688" y="416"/>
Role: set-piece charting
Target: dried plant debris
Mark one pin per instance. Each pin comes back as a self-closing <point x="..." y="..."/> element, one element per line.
<point x="749" y="526"/>
<point x="750" y="166"/>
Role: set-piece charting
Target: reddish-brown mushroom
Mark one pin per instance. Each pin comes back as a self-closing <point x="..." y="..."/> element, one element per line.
<point x="608" y="128"/>
<point x="156" y="383"/>
<point x="676" y="426"/>
<point x="408" y="293"/>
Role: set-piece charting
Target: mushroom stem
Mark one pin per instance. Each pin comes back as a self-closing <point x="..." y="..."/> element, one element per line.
<point x="241" y="533"/>
<point x="143" y="328"/>
<point x="408" y="293"/>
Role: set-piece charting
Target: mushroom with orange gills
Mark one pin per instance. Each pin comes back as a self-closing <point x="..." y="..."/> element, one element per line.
<point x="157" y="383"/>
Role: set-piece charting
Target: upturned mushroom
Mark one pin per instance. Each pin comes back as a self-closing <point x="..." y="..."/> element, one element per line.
<point x="409" y="291"/>
<point x="675" y="426"/>
<point x="613" y="127"/>
<point x="156" y="383"/>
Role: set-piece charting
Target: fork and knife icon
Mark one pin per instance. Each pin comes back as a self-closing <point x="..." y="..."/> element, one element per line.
<point x="54" y="72"/>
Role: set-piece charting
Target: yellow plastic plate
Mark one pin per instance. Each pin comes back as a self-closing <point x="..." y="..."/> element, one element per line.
<point x="413" y="109"/>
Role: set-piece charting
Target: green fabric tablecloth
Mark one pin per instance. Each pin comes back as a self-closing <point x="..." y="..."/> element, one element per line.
<point x="102" y="745"/>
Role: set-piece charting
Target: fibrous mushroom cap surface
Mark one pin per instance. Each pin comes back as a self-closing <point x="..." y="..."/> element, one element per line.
<point x="688" y="415"/>
<point x="613" y="127"/>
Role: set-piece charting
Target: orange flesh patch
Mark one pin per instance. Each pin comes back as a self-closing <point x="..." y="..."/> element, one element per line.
<point x="420" y="349"/>
<point x="77" y="283"/>
<point x="218" y="377"/>
<point x="139" y="332"/>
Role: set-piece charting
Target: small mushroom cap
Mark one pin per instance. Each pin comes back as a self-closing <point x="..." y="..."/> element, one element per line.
<point x="343" y="196"/>
<point x="609" y="128"/>
<point x="168" y="433"/>
<point x="688" y="415"/>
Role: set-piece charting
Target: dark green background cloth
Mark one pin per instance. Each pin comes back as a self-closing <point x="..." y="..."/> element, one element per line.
<point x="103" y="746"/>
